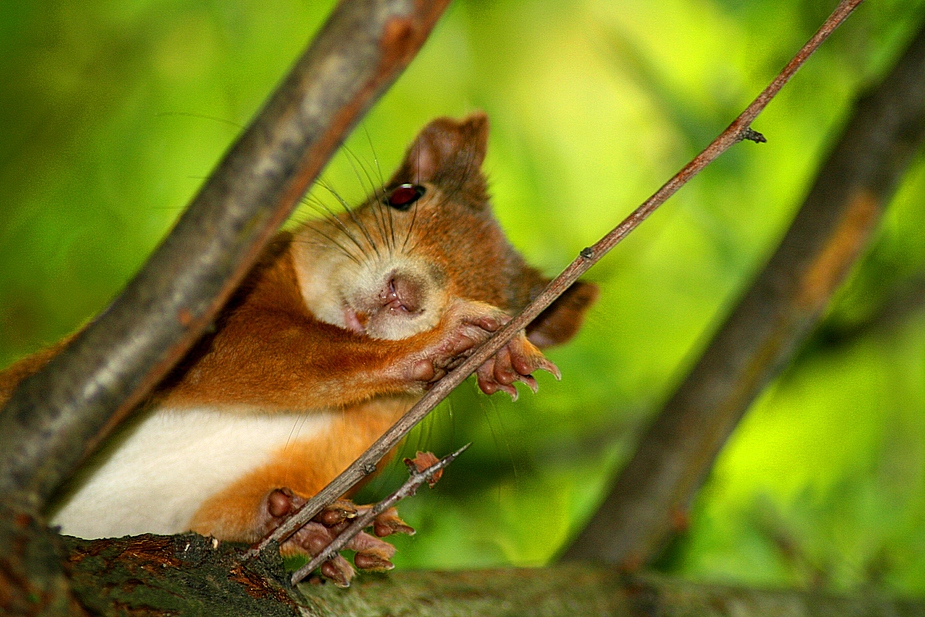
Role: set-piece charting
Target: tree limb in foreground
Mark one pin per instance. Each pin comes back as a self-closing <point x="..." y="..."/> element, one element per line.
<point x="185" y="574"/>
<point x="56" y="417"/>
<point x="775" y="316"/>
<point x="581" y="589"/>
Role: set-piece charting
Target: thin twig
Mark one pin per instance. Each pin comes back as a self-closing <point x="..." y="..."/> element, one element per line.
<point x="365" y="519"/>
<point x="737" y="131"/>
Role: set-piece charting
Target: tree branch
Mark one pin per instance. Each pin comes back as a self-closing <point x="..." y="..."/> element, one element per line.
<point x="188" y="574"/>
<point x="57" y="416"/>
<point x="737" y="131"/>
<point x="581" y="590"/>
<point x="773" y="318"/>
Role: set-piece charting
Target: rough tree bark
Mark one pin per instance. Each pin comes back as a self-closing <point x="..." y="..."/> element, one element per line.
<point x="186" y="576"/>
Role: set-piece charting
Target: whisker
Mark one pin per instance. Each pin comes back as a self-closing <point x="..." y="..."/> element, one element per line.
<point x="188" y="114"/>
<point x="381" y="185"/>
<point x="386" y="215"/>
<point x="377" y="214"/>
<point x="372" y="149"/>
<point x="414" y="216"/>
<point x="371" y="187"/>
<point x="352" y="214"/>
<point x="322" y="208"/>
<point x="333" y="242"/>
<point x="377" y="189"/>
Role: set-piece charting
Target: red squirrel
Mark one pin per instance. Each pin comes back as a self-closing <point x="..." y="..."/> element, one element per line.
<point x="334" y="334"/>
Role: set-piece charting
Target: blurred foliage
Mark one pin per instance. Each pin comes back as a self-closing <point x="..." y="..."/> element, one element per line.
<point x="112" y="112"/>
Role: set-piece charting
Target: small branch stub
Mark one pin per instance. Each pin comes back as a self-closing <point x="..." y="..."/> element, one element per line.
<point x="751" y="134"/>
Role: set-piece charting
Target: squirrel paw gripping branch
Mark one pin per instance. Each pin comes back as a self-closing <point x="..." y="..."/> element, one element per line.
<point x="333" y="335"/>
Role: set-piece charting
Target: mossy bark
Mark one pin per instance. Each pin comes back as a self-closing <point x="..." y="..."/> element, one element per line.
<point x="177" y="575"/>
<point x="192" y="575"/>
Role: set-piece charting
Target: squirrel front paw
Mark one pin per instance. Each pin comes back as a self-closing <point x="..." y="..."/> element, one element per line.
<point x="516" y="361"/>
<point x="372" y="553"/>
<point x="464" y="327"/>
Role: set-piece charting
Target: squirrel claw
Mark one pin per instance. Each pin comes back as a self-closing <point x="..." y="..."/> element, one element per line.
<point x="372" y="548"/>
<point x="336" y="513"/>
<point x="552" y="369"/>
<point x="338" y="570"/>
<point x="530" y="382"/>
<point x="516" y="361"/>
<point x="372" y="563"/>
<point x="388" y="522"/>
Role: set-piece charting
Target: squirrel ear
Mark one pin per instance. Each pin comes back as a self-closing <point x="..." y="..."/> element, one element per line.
<point x="562" y="319"/>
<point x="445" y="149"/>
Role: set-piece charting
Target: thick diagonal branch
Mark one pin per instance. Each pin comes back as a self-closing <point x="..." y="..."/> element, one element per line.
<point x="773" y="318"/>
<point x="56" y="416"/>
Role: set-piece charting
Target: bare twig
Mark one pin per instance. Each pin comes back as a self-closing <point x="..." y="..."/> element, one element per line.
<point x="365" y="519"/>
<point x="773" y="318"/>
<point x="737" y="131"/>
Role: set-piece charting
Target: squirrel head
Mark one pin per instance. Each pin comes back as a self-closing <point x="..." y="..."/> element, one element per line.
<point x="388" y="268"/>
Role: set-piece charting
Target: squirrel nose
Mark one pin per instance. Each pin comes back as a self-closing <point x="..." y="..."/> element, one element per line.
<point x="401" y="293"/>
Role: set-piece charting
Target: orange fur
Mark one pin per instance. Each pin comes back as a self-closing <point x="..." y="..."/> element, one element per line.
<point x="303" y="466"/>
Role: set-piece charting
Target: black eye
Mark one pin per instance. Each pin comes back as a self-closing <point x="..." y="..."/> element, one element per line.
<point x="402" y="196"/>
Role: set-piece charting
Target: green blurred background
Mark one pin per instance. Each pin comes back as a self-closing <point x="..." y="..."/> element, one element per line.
<point x="112" y="112"/>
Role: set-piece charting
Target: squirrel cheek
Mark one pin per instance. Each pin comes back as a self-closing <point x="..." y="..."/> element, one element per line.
<point x="354" y="321"/>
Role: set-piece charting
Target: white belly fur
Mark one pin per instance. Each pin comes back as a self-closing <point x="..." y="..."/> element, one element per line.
<point x="157" y="472"/>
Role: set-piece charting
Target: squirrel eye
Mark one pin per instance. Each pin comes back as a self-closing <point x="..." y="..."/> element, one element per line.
<point x="404" y="195"/>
